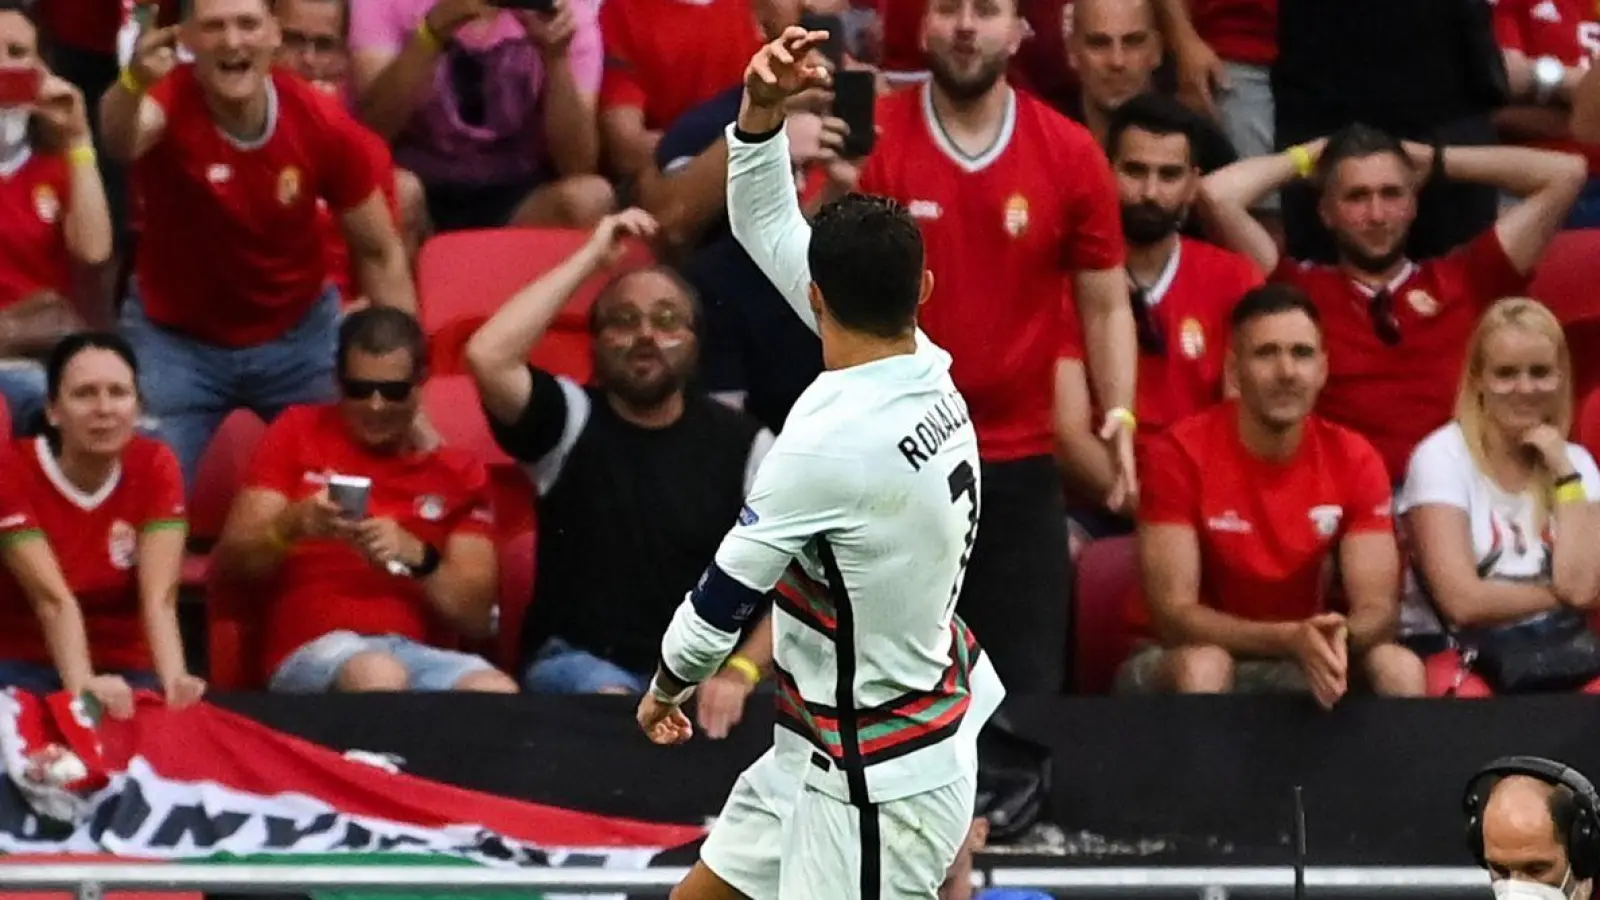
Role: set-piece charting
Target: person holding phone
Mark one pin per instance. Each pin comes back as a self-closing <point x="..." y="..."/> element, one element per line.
<point x="374" y="547"/>
<point x="53" y="206"/>
<point x="1500" y="508"/>
<point x="91" y="536"/>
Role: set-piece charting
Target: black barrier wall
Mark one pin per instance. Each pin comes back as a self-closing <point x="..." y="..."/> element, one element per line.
<point x="1147" y="781"/>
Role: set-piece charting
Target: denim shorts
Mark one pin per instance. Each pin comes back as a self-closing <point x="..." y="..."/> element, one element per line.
<point x="314" y="667"/>
<point x="560" y="668"/>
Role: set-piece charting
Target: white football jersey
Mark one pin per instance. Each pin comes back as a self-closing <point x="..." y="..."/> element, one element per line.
<point x="864" y="512"/>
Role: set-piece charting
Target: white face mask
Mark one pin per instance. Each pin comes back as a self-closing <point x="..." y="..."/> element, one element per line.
<point x="13" y="130"/>
<point x="1517" y="889"/>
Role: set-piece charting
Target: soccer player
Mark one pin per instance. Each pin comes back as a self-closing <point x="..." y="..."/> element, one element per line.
<point x="869" y="498"/>
<point x="1019" y="211"/>
<point x="230" y="157"/>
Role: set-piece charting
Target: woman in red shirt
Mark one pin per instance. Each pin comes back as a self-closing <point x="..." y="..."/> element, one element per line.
<point x="91" y="536"/>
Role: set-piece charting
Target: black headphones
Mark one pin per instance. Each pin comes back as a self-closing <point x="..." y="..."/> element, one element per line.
<point x="1582" y="830"/>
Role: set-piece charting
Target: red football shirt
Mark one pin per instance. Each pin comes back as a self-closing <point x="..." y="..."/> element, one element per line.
<point x="1396" y="396"/>
<point x="231" y="252"/>
<point x="1565" y="29"/>
<point x="666" y="56"/>
<point x="34" y="201"/>
<point x="96" y="541"/>
<point x="1191" y="310"/>
<point x="341" y="265"/>
<point x="1243" y="31"/>
<point x="328" y="585"/>
<point x="1004" y="234"/>
<point x="1267" y="531"/>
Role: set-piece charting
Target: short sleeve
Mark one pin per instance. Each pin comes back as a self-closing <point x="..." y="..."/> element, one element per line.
<point x="544" y="424"/>
<point x="1509" y="17"/>
<point x="1480" y="272"/>
<point x="380" y="26"/>
<point x="162" y="486"/>
<point x="1094" y="229"/>
<point x="163" y="92"/>
<point x="1584" y="463"/>
<point x="348" y="175"/>
<point x="619" y="82"/>
<point x="17" y="517"/>
<point x="1369" y="503"/>
<point x="475" y="513"/>
<point x="586" y="54"/>
<point x="276" y="464"/>
<point x="798" y="495"/>
<point x="1169" y="489"/>
<point x="1440" y="473"/>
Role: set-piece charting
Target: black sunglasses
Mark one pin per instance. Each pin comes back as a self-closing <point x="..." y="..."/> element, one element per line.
<point x="1384" y="321"/>
<point x="363" y="389"/>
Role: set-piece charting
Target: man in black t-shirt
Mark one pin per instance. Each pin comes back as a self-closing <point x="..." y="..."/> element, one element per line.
<point x="638" y="477"/>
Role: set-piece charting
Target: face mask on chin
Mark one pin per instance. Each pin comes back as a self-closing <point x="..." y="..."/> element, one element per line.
<point x="1517" y="889"/>
<point x="13" y="131"/>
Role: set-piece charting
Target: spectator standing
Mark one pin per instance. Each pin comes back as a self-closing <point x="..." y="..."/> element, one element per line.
<point x="230" y="306"/>
<point x="1248" y="510"/>
<point x="1501" y="509"/>
<point x="1224" y="50"/>
<point x="494" y="110"/>
<point x="1181" y="291"/>
<point x="1397" y="329"/>
<point x="356" y="598"/>
<point x="92" y="529"/>
<point x="1019" y="211"/>
<point x="638" y="477"/>
<point x="53" y="214"/>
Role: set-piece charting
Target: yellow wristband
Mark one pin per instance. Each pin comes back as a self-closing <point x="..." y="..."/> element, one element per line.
<point x="81" y="155"/>
<point x="427" y="35"/>
<point x="130" y="82"/>
<point x="1304" y="163"/>
<point x="1572" y="492"/>
<point x="1124" y="415"/>
<point x="744" y="667"/>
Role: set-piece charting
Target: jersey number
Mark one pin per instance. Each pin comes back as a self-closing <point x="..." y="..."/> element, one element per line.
<point x="963" y="483"/>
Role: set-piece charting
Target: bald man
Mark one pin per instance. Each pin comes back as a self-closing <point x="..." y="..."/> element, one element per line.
<point x="1525" y="825"/>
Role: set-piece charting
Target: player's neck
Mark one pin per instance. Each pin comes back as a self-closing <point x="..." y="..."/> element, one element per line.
<point x="1277" y="445"/>
<point x="846" y="350"/>
<point x="1097" y="120"/>
<point x="1374" y="280"/>
<point x="246" y="121"/>
<point x="1145" y="264"/>
<point x="88" y="472"/>
<point x="977" y="121"/>
<point x="661" y="415"/>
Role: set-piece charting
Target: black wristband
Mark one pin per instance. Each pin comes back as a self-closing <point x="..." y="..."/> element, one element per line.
<point x="429" y="564"/>
<point x="1436" y="171"/>
<point x="1566" y="479"/>
<point x="758" y="137"/>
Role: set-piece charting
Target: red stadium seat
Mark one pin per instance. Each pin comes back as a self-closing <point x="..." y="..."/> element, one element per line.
<point x="235" y="628"/>
<point x="1564" y="281"/>
<point x="5" y="419"/>
<point x="222" y="471"/>
<point x="463" y="277"/>
<point x="452" y="405"/>
<point x="1107" y="572"/>
<point x="516" y="595"/>
<point x="1586" y="429"/>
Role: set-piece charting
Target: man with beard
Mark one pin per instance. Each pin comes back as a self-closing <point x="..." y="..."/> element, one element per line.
<point x="1246" y="510"/>
<point x="1180" y="289"/>
<point x="1397" y="329"/>
<point x="1019" y="212"/>
<point x="638" y="476"/>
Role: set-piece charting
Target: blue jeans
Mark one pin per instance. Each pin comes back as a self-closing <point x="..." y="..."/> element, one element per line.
<point x="314" y="668"/>
<point x="190" y="386"/>
<point x="560" y="668"/>
<point x="43" y="679"/>
<point x="1586" y="209"/>
<point x="24" y="388"/>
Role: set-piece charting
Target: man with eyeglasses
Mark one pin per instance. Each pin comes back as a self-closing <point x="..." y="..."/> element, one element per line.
<point x="357" y="595"/>
<point x="639" y="475"/>
<point x="1396" y="329"/>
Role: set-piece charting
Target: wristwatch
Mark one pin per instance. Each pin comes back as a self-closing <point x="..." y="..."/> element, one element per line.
<point x="1548" y="75"/>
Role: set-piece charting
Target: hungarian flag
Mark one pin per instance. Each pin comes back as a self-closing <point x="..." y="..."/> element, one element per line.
<point x="207" y="785"/>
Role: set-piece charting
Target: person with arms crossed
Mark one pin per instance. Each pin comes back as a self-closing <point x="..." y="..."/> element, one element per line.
<point x="231" y="306"/>
<point x="1248" y="507"/>
<point x="1019" y="211"/>
<point x="871" y="495"/>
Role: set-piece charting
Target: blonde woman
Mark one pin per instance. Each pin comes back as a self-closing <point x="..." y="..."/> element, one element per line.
<point x="1500" y="511"/>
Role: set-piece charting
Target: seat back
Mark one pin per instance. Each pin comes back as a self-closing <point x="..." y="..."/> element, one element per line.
<point x="517" y="572"/>
<point x="453" y="406"/>
<point x="1107" y="573"/>
<point x="235" y="631"/>
<point x="222" y="472"/>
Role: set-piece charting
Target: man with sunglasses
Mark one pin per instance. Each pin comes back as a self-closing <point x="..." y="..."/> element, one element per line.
<point x="356" y="593"/>
<point x="638" y="474"/>
<point x="1396" y="328"/>
<point x="1181" y="290"/>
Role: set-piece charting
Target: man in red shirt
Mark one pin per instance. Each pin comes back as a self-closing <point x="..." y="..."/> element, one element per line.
<point x="1181" y="292"/>
<point x="358" y="591"/>
<point x="1248" y="510"/>
<point x="231" y="305"/>
<point x="1019" y="213"/>
<point x="1396" y="330"/>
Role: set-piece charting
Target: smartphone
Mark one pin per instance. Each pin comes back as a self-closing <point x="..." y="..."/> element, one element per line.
<point x="545" y="7"/>
<point x="350" y="493"/>
<point x="833" y="47"/>
<point x="855" y="100"/>
<point x="19" y="85"/>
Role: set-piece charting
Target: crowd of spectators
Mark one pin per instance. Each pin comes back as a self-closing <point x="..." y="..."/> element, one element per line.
<point x="1248" y="287"/>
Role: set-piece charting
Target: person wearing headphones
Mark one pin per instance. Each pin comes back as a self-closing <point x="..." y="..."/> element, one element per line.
<point x="1535" y="825"/>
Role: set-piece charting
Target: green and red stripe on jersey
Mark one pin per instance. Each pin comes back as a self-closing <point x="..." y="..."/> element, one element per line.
<point x="889" y="730"/>
<point x="806" y="599"/>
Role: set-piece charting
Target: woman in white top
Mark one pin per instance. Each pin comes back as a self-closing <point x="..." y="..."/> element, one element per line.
<point x="1487" y="495"/>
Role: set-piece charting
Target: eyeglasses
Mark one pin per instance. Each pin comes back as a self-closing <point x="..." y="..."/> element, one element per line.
<point x="363" y="389"/>
<point x="664" y="320"/>
<point x="1384" y="321"/>
<point x="300" y="42"/>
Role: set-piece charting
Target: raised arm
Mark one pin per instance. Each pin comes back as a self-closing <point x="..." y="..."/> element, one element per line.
<point x="1229" y="193"/>
<point x="130" y="121"/>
